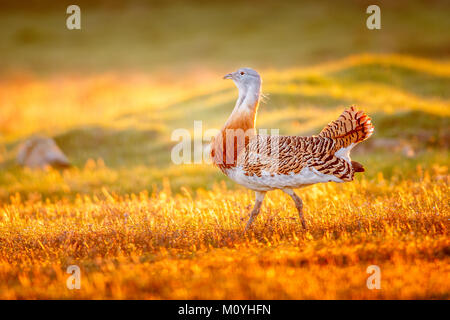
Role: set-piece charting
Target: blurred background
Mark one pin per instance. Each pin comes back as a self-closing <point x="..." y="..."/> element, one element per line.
<point x="111" y="94"/>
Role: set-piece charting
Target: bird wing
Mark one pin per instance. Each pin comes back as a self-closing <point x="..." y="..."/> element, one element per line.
<point x="327" y="153"/>
<point x="282" y="155"/>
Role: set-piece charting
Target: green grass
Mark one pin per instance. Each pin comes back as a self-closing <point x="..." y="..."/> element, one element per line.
<point x="135" y="146"/>
<point x="140" y="226"/>
<point x="177" y="36"/>
<point x="118" y="88"/>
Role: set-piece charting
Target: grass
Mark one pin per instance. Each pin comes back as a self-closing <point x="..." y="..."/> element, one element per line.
<point x="132" y="137"/>
<point x="180" y="36"/>
<point x="191" y="246"/>
<point x="140" y="226"/>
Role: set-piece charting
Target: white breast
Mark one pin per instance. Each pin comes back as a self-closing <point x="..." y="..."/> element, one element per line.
<point x="266" y="181"/>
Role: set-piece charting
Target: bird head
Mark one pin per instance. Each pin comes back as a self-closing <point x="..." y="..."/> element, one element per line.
<point x="245" y="78"/>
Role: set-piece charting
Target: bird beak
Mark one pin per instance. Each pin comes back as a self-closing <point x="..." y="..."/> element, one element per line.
<point x="228" y="76"/>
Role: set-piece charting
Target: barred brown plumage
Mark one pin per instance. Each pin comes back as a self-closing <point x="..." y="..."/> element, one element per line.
<point x="266" y="162"/>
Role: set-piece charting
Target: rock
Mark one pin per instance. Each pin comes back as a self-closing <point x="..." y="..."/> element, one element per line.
<point x="40" y="152"/>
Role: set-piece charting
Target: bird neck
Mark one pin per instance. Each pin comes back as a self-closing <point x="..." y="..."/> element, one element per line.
<point x="240" y="124"/>
<point x="244" y="112"/>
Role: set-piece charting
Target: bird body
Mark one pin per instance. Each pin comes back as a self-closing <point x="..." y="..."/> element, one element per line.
<point x="267" y="162"/>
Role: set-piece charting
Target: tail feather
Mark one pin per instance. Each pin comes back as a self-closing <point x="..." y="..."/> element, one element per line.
<point x="357" y="167"/>
<point x="352" y="126"/>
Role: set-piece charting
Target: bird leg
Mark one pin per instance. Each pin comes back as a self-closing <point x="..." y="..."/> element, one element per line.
<point x="298" y="204"/>
<point x="257" y="207"/>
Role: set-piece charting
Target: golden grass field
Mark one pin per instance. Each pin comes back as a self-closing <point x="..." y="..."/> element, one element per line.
<point x="154" y="244"/>
<point x="141" y="227"/>
<point x="164" y="246"/>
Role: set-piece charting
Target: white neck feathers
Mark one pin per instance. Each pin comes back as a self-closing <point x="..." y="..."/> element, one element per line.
<point x="244" y="111"/>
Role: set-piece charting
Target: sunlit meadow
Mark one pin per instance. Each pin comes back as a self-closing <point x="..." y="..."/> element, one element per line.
<point x="139" y="226"/>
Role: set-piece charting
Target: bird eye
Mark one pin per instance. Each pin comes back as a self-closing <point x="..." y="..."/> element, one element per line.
<point x="242" y="73"/>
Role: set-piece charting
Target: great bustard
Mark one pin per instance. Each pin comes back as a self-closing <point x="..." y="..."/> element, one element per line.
<point x="267" y="162"/>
